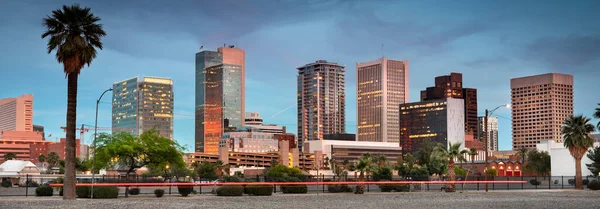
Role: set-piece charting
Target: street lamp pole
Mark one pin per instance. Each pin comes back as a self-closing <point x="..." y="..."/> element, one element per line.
<point x="94" y="142"/>
<point x="487" y="139"/>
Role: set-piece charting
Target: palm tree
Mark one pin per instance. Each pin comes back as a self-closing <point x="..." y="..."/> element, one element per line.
<point x="74" y="32"/>
<point x="597" y="115"/>
<point x="381" y="160"/>
<point x="576" y="134"/>
<point x="222" y="168"/>
<point x="451" y="153"/>
<point x="52" y="159"/>
<point x="42" y="159"/>
<point x="10" y="156"/>
<point x="326" y="163"/>
<point x="363" y="166"/>
<point x="522" y="153"/>
<point x="473" y="153"/>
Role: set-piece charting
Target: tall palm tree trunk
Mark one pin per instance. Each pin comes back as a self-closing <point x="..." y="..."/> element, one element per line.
<point x="451" y="176"/>
<point x="70" y="180"/>
<point x="578" y="177"/>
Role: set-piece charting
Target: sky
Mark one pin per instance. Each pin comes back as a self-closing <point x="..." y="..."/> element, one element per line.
<point x="489" y="42"/>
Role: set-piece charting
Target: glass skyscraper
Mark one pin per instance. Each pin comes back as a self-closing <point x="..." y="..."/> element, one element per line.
<point x="220" y="90"/>
<point x="143" y="104"/>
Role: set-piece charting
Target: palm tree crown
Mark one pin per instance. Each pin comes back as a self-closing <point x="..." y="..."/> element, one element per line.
<point x="576" y="132"/>
<point x="74" y="34"/>
<point x="522" y="153"/>
<point x="473" y="153"/>
<point x="597" y="115"/>
<point x="453" y="152"/>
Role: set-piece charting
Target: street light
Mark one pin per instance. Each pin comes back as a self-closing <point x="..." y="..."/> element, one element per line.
<point x="94" y="142"/>
<point x="487" y="136"/>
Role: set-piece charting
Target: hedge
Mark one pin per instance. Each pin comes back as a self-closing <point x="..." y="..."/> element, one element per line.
<point x="294" y="189"/>
<point x="394" y="187"/>
<point x="594" y="185"/>
<point x="159" y="192"/>
<point x="99" y="192"/>
<point x="338" y="188"/>
<point x="6" y="183"/>
<point x="230" y="190"/>
<point x="184" y="191"/>
<point x="259" y="189"/>
<point x="44" y="190"/>
<point x="134" y="191"/>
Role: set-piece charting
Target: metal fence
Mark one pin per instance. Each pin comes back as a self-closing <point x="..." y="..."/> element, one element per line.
<point x="27" y="185"/>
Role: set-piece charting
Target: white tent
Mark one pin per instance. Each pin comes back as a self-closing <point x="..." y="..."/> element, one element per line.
<point x="18" y="170"/>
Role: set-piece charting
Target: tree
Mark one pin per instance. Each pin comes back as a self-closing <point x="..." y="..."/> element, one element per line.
<point x="425" y="150"/>
<point x="522" y="153"/>
<point x="410" y="162"/>
<point x="207" y="170"/>
<point x="10" y="156"/>
<point x="594" y="156"/>
<point x="74" y="32"/>
<point x="576" y="137"/>
<point x="52" y="159"/>
<point x="326" y="163"/>
<point x="381" y="160"/>
<point x="452" y="152"/>
<point x="221" y="168"/>
<point x="42" y="159"/>
<point x="538" y="162"/>
<point x="597" y="115"/>
<point x="473" y="153"/>
<point x="363" y="166"/>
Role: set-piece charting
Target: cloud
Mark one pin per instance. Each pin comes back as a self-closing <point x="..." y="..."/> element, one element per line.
<point x="487" y="61"/>
<point x="565" y="52"/>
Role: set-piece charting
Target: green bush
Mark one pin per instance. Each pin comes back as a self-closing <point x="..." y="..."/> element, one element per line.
<point x="338" y="188"/>
<point x="134" y="191"/>
<point x="594" y="185"/>
<point x="383" y="174"/>
<point x="44" y="190"/>
<point x="586" y="181"/>
<point x="6" y="183"/>
<point x="184" y="191"/>
<point x="534" y="182"/>
<point x="294" y="189"/>
<point x="259" y="189"/>
<point x="59" y="181"/>
<point x="30" y="183"/>
<point x="230" y="190"/>
<point x="159" y="192"/>
<point x="99" y="192"/>
<point x="394" y="187"/>
<point x="231" y="179"/>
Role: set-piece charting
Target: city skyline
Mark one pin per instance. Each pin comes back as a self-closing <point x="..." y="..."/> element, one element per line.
<point x="489" y="51"/>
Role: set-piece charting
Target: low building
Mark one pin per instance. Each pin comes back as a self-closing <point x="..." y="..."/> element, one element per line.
<point x="350" y="150"/>
<point x="58" y="147"/>
<point x="249" y="139"/>
<point x="507" y="163"/>
<point x="17" y="171"/>
<point x="561" y="161"/>
<point x="19" y="143"/>
<point x="254" y="120"/>
<point x="238" y="159"/>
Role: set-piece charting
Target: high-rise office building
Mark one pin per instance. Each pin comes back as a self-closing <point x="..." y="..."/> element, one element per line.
<point x="143" y="104"/>
<point x="16" y="114"/>
<point x="492" y="131"/>
<point x="321" y="100"/>
<point x="451" y="86"/>
<point x="382" y="85"/>
<point x="438" y="121"/>
<point x="220" y="92"/>
<point x="540" y="105"/>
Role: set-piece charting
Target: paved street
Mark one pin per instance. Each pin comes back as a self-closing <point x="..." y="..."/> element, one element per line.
<point x="498" y="199"/>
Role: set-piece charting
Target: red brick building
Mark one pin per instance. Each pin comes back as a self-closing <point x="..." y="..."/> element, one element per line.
<point x="36" y="150"/>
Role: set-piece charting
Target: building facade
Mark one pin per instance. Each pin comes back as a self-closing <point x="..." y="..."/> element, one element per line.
<point x="321" y="100"/>
<point x="491" y="133"/>
<point x="381" y="86"/>
<point x="143" y="104"/>
<point x="16" y="114"/>
<point x="220" y="93"/>
<point x="438" y="121"/>
<point x="540" y="105"/>
<point x="351" y="150"/>
<point x="19" y="142"/>
<point x="254" y="120"/>
<point x="249" y="139"/>
<point x="451" y="86"/>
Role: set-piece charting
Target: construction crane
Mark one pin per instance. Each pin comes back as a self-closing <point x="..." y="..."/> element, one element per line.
<point x="83" y="129"/>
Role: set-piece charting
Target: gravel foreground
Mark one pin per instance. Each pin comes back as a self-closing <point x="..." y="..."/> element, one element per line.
<point x="467" y="200"/>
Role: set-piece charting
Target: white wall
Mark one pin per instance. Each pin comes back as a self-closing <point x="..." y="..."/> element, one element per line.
<point x="562" y="163"/>
<point x="456" y="124"/>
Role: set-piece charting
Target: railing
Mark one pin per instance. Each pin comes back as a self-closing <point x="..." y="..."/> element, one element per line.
<point x="26" y="185"/>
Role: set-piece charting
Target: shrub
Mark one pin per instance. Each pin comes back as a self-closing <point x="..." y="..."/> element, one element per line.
<point x="230" y="190"/>
<point x="394" y="187"/>
<point x="338" y="188"/>
<point x="184" y="191"/>
<point x="382" y="174"/>
<point x="44" y="190"/>
<point x="6" y="183"/>
<point x="59" y="181"/>
<point x="571" y="182"/>
<point x="30" y="183"/>
<point x="594" y="185"/>
<point x="134" y="191"/>
<point x="99" y="192"/>
<point x="294" y="189"/>
<point x="230" y="179"/>
<point x="159" y="192"/>
<point x="534" y="182"/>
<point x="259" y="189"/>
<point x="586" y="181"/>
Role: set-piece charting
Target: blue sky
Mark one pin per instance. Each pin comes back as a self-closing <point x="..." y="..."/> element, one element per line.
<point x="488" y="41"/>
